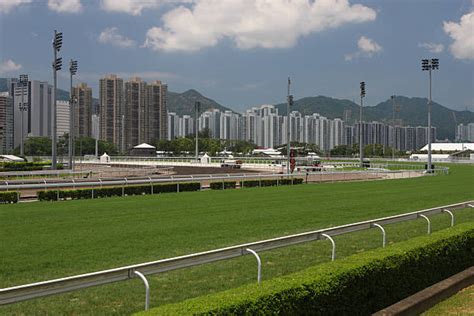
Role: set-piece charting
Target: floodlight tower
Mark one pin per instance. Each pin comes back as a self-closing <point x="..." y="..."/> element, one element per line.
<point x="361" y="147"/>
<point x="393" y="126"/>
<point x="23" y="85"/>
<point x="289" y="104"/>
<point x="429" y="64"/>
<point x="72" y="101"/>
<point x="57" y="64"/>
<point x="197" y="109"/>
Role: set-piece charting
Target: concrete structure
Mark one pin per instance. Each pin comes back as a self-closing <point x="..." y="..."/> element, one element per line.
<point x="449" y="147"/>
<point x="83" y="110"/>
<point x="6" y="123"/>
<point x="465" y="132"/>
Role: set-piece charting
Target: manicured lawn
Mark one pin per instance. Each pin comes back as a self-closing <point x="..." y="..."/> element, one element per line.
<point x="47" y="240"/>
<point x="462" y="303"/>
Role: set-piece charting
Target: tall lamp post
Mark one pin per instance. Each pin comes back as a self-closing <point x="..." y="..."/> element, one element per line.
<point x="361" y="145"/>
<point x="57" y="64"/>
<point x="197" y="108"/>
<point x="23" y="107"/>
<point x="72" y="125"/>
<point x="429" y="64"/>
<point x="289" y="104"/>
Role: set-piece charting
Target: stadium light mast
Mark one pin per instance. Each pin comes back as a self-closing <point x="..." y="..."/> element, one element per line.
<point x="429" y="64"/>
<point x="23" y="107"/>
<point x="361" y="147"/>
<point x="197" y="108"/>
<point x="57" y="64"/>
<point x="289" y="104"/>
<point x="72" y="72"/>
<point x="393" y="126"/>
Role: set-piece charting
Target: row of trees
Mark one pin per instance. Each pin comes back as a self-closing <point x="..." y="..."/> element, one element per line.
<point x="371" y="150"/>
<point x="41" y="146"/>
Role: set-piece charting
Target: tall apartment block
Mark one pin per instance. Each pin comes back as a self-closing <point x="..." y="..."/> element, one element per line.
<point x="136" y="113"/>
<point x="156" y="111"/>
<point x="112" y="112"/>
<point x="82" y="110"/>
<point x="62" y="118"/>
<point x="6" y="123"/>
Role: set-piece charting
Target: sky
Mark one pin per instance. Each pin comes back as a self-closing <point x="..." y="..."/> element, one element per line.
<point x="240" y="52"/>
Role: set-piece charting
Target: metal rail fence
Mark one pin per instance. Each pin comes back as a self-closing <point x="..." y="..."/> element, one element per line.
<point x="44" y="184"/>
<point x="40" y="289"/>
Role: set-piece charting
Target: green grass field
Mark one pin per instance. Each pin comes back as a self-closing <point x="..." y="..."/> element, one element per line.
<point x="47" y="240"/>
<point x="462" y="303"/>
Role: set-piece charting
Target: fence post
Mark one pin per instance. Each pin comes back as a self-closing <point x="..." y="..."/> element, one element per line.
<point x="177" y="187"/>
<point x="452" y="216"/>
<point x="259" y="264"/>
<point x="383" y="233"/>
<point x="428" y="220"/>
<point x="333" y="255"/>
<point x="147" y="288"/>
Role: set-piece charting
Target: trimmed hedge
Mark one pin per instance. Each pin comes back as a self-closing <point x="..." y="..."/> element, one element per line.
<point x="227" y="185"/>
<point x="55" y="195"/>
<point x="9" y="197"/>
<point x="269" y="183"/>
<point x="26" y="166"/>
<point x="357" y="285"/>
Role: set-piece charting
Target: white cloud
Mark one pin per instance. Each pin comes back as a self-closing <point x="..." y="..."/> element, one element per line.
<point x="432" y="47"/>
<point x="9" y="66"/>
<point x="367" y="48"/>
<point x="462" y="34"/>
<point x="135" y="7"/>
<point x="111" y="36"/>
<point x="251" y="23"/>
<point x="65" y="6"/>
<point x="7" y="5"/>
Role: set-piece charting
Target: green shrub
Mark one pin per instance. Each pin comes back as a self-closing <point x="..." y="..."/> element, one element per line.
<point x="227" y="185"/>
<point x="357" y="285"/>
<point x="50" y="195"/>
<point x="271" y="182"/>
<point x="9" y="197"/>
<point x="249" y="184"/>
<point x="189" y="186"/>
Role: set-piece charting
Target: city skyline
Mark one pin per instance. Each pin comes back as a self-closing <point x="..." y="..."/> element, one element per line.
<point x="364" y="42"/>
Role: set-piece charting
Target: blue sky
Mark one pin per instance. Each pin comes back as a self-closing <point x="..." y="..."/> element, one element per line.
<point x="240" y="52"/>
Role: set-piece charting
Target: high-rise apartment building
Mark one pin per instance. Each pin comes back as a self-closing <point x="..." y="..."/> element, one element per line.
<point x="6" y="123"/>
<point x="136" y="113"/>
<point x="112" y="112"/>
<point x="82" y="110"/>
<point x="156" y="112"/>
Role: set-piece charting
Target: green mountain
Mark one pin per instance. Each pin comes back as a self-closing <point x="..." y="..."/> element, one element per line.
<point x="411" y="111"/>
<point x="183" y="103"/>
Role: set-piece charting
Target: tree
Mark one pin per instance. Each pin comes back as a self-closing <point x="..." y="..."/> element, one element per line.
<point x="36" y="146"/>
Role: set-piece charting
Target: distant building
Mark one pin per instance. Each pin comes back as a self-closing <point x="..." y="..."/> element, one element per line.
<point x="157" y="111"/>
<point x="465" y="132"/>
<point x="38" y="117"/>
<point x="112" y="112"/>
<point x="82" y="110"/>
<point x="62" y="118"/>
<point x="6" y="123"/>
<point x="135" y="114"/>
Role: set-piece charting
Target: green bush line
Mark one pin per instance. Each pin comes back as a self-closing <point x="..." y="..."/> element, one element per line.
<point x="357" y="285"/>
<point x="55" y="195"/>
<point x="25" y="166"/>
<point x="9" y="197"/>
<point x="226" y="184"/>
<point x="269" y="183"/>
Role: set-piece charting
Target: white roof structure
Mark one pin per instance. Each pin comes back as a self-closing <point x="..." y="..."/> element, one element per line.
<point x="449" y="146"/>
<point x="144" y="146"/>
<point x="11" y="158"/>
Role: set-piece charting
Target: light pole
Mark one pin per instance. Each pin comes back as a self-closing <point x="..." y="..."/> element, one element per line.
<point x="23" y="107"/>
<point x="429" y="64"/>
<point x="57" y="64"/>
<point x="197" y="108"/>
<point x="361" y="145"/>
<point x="289" y="104"/>
<point x="72" y="72"/>
<point x="393" y="127"/>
